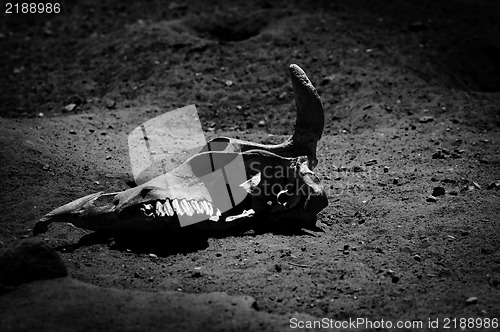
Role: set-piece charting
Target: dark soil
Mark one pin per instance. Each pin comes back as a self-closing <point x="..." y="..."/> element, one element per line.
<point x="382" y="249"/>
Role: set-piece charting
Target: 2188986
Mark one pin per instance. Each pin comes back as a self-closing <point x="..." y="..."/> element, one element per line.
<point x="32" y="8"/>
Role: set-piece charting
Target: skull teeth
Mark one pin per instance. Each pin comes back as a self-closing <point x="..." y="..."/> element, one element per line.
<point x="187" y="207"/>
<point x="180" y="207"/>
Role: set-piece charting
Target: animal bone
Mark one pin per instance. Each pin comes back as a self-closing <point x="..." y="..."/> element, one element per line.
<point x="272" y="182"/>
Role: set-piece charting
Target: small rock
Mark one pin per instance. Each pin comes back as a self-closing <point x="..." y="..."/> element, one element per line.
<point x="395" y="181"/>
<point x="277" y="268"/>
<point x="69" y="108"/>
<point x="438" y="155"/>
<point x="108" y="157"/>
<point x="475" y="184"/>
<point x="261" y="123"/>
<point x="395" y="279"/>
<point x="371" y="162"/>
<point x="438" y="191"/>
<point x="153" y="256"/>
<point x="137" y="275"/>
<point x="358" y="169"/>
<point x="41" y="115"/>
<point x="228" y="83"/>
<point x="196" y="274"/>
<point x="46" y="167"/>
<point x="494" y="282"/>
<point x="426" y="119"/>
<point x="417" y="27"/>
<point x="386" y="169"/>
<point x="72" y="132"/>
<point x="326" y="80"/>
<point x="417" y="257"/>
<point x="471" y="300"/>
<point x="218" y="254"/>
<point x="91" y="130"/>
<point x="110" y="104"/>
<point x="494" y="184"/>
<point x="431" y="199"/>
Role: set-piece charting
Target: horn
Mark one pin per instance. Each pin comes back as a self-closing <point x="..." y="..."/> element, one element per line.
<point x="310" y="115"/>
<point x="308" y="125"/>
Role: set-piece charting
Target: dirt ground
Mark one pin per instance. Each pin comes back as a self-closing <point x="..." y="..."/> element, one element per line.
<point x="413" y="85"/>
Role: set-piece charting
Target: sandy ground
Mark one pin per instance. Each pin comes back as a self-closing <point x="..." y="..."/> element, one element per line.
<point x="414" y="86"/>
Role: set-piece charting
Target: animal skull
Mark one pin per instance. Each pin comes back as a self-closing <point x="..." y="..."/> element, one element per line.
<point x="228" y="182"/>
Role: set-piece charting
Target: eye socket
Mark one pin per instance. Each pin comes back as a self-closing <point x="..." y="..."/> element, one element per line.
<point x="283" y="197"/>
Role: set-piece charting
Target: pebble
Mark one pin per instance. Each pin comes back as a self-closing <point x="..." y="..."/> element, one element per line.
<point x="326" y="80"/>
<point x="426" y="119"/>
<point x="476" y="185"/>
<point x="69" y="108"/>
<point x="358" y="169"/>
<point x="438" y="191"/>
<point x="46" y="167"/>
<point x="471" y="300"/>
<point x="228" y="83"/>
<point x="371" y="162"/>
<point x="438" y="155"/>
<point x="108" y="157"/>
<point x="431" y="199"/>
<point x="261" y="123"/>
<point x="110" y="104"/>
<point x="386" y="169"/>
<point x="494" y="184"/>
<point x="72" y="132"/>
<point x="495" y="282"/>
<point x="417" y="27"/>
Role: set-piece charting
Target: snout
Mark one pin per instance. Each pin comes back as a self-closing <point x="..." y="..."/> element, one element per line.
<point x="95" y="209"/>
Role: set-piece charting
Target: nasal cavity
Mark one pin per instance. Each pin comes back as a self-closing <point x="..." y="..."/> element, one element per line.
<point x="145" y="192"/>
